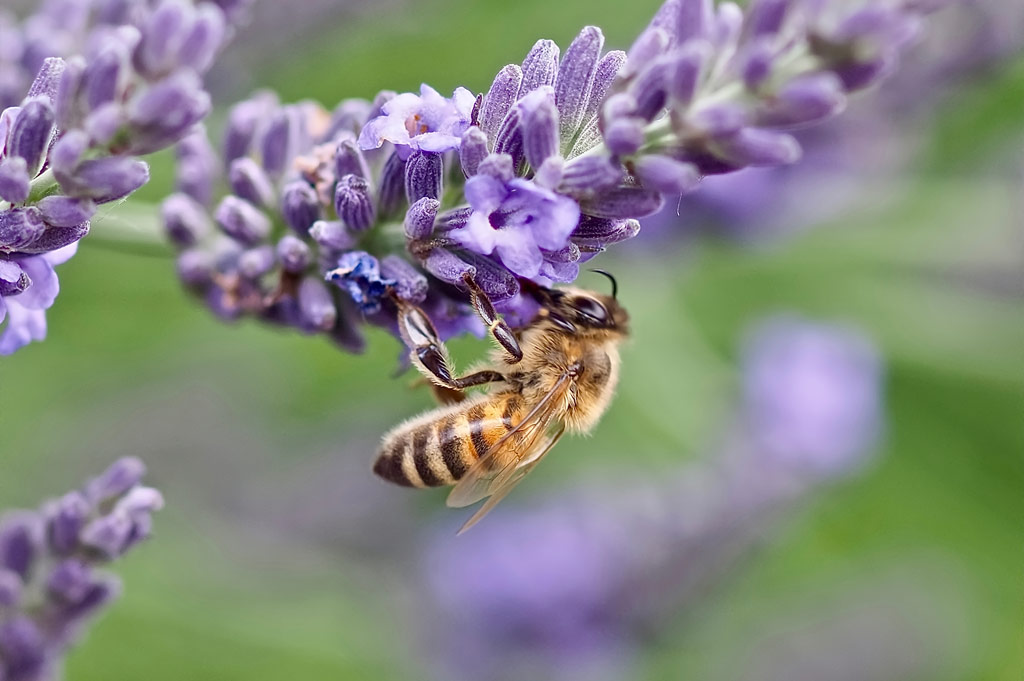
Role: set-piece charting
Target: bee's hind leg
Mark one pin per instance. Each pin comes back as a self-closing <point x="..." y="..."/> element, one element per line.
<point x="430" y="356"/>
<point x="496" y="326"/>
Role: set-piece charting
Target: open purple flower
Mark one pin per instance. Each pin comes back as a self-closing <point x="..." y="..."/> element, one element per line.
<point x="425" y="122"/>
<point x="517" y="220"/>
<point x="28" y="287"/>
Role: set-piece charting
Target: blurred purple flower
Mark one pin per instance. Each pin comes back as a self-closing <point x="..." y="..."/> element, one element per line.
<point x="51" y="581"/>
<point x="35" y="286"/>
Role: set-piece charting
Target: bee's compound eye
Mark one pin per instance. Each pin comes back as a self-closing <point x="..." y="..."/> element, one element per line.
<point x="591" y="308"/>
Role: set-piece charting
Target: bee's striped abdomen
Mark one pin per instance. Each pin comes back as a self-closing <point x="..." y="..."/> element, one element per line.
<point x="438" y="448"/>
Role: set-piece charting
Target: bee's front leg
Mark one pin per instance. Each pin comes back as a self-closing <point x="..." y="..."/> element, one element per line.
<point x="496" y="326"/>
<point x="429" y="355"/>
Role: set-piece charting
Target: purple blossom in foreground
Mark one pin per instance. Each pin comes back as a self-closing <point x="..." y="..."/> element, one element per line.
<point x="565" y="589"/>
<point x="52" y="581"/>
<point x="107" y="81"/>
<point x="558" y="160"/>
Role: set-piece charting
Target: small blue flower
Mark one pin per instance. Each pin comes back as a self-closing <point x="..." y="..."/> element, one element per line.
<point x="358" y="273"/>
<point x="424" y="122"/>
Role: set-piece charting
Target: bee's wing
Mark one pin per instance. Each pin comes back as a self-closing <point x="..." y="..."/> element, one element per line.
<point x="514" y="475"/>
<point x="520" y="448"/>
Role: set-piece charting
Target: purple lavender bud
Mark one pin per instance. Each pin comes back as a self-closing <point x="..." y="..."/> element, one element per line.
<point x="623" y="202"/>
<point x="243" y="121"/>
<point x="10" y="589"/>
<point x="332" y="235"/>
<point x="15" y="183"/>
<point x="106" y="75"/>
<point x="293" y="253"/>
<point x="279" y="143"/>
<point x="576" y="78"/>
<point x="410" y="284"/>
<point x="456" y="218"/>
<point x="119" y="477"/>
<point x="31" y="133"/>
<point x="300" y="206"/>
<point x="316" y="305"/>
<point x="349" y="160"/>
<point x="756" y="147"/>
<point x="22" y="649"/>
<point x="109" y="534"/>
<point x="64" y="211"/>
<point x="162" y="36"/>
<point x="539" y="126"/>
<point x="358" y="273"/>
<point x="70" y="581"/>
<point x="20" y="541"/>
<point x="204" y="39"/>
<point x="353" y="203"/>
<point x="242" y="221"/>
<point x="101" y="592"/>
<point x="447" y="266"/>
<point x="509" y="139"/>
<point x="424" y="176"/>
<point x="666" y="175"/>
<point x="498" y="166"/>
<point x="624" y="136"/>
<point x="347" y="120"/>
<point x="195" y="267"/>
<point x="693" y="20"/>
<point x="47" y="80"/>
<point x="593" y="231"/>
<point x="720" y="120"/>
<point x="619" y="105"/>
<point x="804" y="100"/>
<point x="727" y="26"/>
<point x="591" y="174"/>
<point x="104" y="123"/>
<point x="688" y="71"/>
<point x="56" y="237"/>
<point x="13" y="279"/>
<point x="757" y="64"/>
<point x="540" y="66"/>
<point x="392" y="185"/>
<point x="472" y="150"/>
<point x="765" y="17"/>
<point x="419" y="219"/>
<point x="500" y="98"/>
<point x="650" y="89"/>
<point x="64" y="520"/>
<point x="67" y="152"/>
<point x="164" y="112"/>
<point x="106" y="179"/>
<point x="648" y="46"/>
<point x="604" y="76"/>
<point x="249" y="181"/>
<point x="550" y="173"/>
<point x="197" y="166"/>
<point x="255" y="262"/>
<point x="19" y="227"/>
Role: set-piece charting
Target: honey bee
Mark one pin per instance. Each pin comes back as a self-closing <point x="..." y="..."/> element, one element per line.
<point x="558" y="373"/>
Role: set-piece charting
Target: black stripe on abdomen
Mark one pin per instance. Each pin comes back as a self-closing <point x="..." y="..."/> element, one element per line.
<point x="475" y="417"/>
<point x="452" y="451"/>
<point x="389" y="464"/>
<point x="420" y="456"/>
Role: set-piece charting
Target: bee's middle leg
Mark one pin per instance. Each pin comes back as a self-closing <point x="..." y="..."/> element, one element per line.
<point x="496" y="326"/>
<point x="430" y="356"/>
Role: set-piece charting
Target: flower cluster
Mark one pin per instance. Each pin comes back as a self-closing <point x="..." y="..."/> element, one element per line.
<point x="407" y="195"/>
<point x="51" y="584"/>
<point x="563" y="589"/>
<point x="113" y="80"/>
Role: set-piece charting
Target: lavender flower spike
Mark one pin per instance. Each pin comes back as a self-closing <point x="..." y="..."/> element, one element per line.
<point x="52" y="577"/>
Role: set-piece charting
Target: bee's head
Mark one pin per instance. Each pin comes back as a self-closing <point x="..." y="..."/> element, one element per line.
<point x="578" y="310"/>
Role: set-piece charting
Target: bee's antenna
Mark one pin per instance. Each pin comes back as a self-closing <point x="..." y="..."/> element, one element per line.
<point x="615" y="284"/>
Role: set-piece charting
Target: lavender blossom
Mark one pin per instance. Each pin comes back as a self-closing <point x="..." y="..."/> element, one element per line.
<point x="52" y="581"/>
<point x="554" y="163"/>
<point x="565" y="589"/>
<point x="111" y="81"/>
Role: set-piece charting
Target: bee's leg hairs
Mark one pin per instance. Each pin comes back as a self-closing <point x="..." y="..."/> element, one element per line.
<point x="496" y="326"/>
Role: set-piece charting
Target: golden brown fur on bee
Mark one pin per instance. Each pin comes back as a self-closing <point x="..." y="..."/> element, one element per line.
<point x="439" y="446"/>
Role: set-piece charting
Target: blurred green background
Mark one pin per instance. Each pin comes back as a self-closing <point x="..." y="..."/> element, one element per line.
<point x="280" y="556"/>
